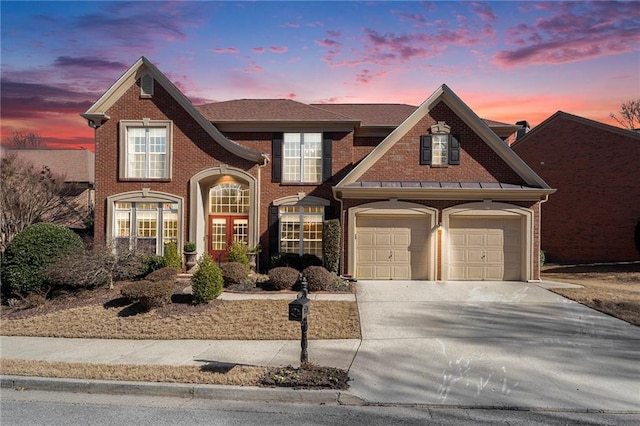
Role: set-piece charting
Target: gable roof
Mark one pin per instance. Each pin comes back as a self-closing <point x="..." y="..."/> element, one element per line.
<point x="76" y="165"/>
<point x="446" y="95"/>
<point x="96" y="114"/>
<point x="560" y="115"/>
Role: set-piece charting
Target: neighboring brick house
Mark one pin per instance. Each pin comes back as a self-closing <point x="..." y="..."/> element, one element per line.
<point x="428" y="192"/>
<point x="76" y="166"/>
<point x="596" y="170"/>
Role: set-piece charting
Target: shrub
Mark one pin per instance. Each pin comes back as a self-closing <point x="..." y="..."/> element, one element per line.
<point x="206" y="281"/>
<point x="543" y="257"/>
<point x="149" y="294"/>
<point x="234" y="273"/>
<point x="318" y="278"/>
<point x="86" y="269"/>
<point x="163" y="274"/>
<point x="189" y="247"/>
<point x="331" y="244"/>
<point x="309" y="260"/>
<point x="151" y="263"/>
<point x="283" y="277"/>
<point x="171" y="257"/>
<point x="31" y="251"/>
<point x="238" y="253"/>
<point x="127" y="265"/>
<point x="294" y="260"/>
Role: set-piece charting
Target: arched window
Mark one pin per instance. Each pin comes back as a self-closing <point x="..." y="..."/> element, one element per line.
<point x="228" y="198"/>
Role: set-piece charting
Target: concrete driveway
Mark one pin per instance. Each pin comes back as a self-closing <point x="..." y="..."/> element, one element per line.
<point x="491" y="344"/>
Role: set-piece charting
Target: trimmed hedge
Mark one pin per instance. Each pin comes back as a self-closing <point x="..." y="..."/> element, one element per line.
<point x="149" y="294"/>
<point x="318" y="278"/>
<point x="31" y="251"/>
<point x="295" y="261"/>
<point x="206" y="282"/>
<point x="331" y="245"/>
<point x="234" y="273"/>
<point x="163" y="274"/>
<point x="284" y="277"/>
<point x="171" y="257"/>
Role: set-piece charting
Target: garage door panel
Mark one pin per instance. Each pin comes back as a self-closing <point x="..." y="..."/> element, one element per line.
<point x="484" y="248"/>
<point x="393" y="247"/>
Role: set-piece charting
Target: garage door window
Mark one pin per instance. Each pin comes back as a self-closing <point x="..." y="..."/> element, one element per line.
<point x="301" y="229"/>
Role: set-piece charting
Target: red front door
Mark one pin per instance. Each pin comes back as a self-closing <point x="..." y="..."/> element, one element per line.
<point x="223" y="231"/>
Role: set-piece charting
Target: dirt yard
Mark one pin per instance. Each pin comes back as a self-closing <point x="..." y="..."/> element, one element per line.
<point x="612" y="289"/>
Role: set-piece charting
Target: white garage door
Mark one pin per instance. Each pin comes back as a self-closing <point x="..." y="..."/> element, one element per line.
<point x="484" y="249"/>
<point x="392" y="247"/>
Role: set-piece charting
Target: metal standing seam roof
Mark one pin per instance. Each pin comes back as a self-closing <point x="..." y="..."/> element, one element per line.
<point x="436" y="185"/>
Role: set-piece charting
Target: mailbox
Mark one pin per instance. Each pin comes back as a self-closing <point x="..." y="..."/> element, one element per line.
<point x="299" y="309"/>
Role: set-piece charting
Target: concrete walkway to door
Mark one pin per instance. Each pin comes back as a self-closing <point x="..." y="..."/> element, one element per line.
<point x="491" y="344"/>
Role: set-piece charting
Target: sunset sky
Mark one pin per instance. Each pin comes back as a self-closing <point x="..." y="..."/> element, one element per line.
<point x="508" y="61"/>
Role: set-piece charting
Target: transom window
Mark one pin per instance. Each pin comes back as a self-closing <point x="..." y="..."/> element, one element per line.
<point x="145" y="227"/>
<point x="301" y="229"/>
<point x="229" y="198"/>
<point x="302" y="159"/>
<point x="145" y="149"/>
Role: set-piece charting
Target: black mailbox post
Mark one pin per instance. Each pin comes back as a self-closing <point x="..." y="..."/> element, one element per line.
<point x="298" y="311"/>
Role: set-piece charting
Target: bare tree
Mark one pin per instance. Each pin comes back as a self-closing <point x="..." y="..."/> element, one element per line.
<point x="29" y="195"/>
<point x="630" y="114"/>
<point x="22" y="140"/>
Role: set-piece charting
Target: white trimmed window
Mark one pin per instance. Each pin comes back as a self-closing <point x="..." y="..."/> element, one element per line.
<point x="302" y="157"/>
<point x="439" y="150"/>
<point x="301" y="229"/>
<point x="145" y="227"/>
<point x="145" y="148"/>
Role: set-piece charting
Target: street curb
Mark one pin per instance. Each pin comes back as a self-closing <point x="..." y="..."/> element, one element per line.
<point x="180" y="390"/>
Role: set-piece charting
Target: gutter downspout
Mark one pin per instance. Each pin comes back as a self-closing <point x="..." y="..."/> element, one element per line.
<point x="542" y="201"/>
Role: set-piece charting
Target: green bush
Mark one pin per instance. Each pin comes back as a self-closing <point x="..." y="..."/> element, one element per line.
<point x="171" y="256"/>
<point x="543" y="257"/>
<point x="283" y="277"/>
<point x="234" y="273"/>
<point x="128" y="265"/>
<point x="331" y="244"/>
<point x="238" y="253"/>
<point x="206" y="281"/>
<point x="163" y="274"/>
<point x="318" y="278"/>
<point x="189" y="247"/>
<point x="31" y="251"/>
<point x="149" y="294"/>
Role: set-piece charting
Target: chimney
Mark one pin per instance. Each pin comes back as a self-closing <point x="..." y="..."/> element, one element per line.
<point x="525" y="128"/>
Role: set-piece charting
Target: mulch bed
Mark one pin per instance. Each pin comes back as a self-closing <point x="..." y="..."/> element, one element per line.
<point x="308" y="376"/>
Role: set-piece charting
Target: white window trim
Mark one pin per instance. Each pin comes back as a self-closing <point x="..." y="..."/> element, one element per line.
<point x="144" y="196"/>
<point x="145" y="123"/>
<point x="301" y="158"/>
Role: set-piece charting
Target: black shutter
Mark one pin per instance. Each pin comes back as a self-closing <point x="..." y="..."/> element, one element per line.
<point x="327" y="143"/>
<point x="274" y="230"/>
<point x="276" y="161"/>
<point x="425" y="149"/>
<point x="454" y="151"/>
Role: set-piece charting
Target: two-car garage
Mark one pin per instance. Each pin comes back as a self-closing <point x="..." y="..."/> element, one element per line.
<point x="487" y="243"/>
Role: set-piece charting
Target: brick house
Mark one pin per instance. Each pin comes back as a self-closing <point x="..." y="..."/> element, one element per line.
<point x="596" y="170"/>
<point x="428" y="192"/>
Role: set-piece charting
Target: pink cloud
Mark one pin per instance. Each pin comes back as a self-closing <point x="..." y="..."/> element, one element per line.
<point x="225" y="50"/>
<point x="366" y="76"/>
<point x="327" y="43"/>
<point x="484" y="11"/>
<point x="573" y="31"/>
<point x="252" y="67"/>
<point x="258" y="50"/>
<point x="278" y="49"/>
<point x="293" y="25"/>
<point x="334" y="34"/>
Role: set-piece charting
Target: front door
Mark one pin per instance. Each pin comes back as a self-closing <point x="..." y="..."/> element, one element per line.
<point x="224" y="231"/>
